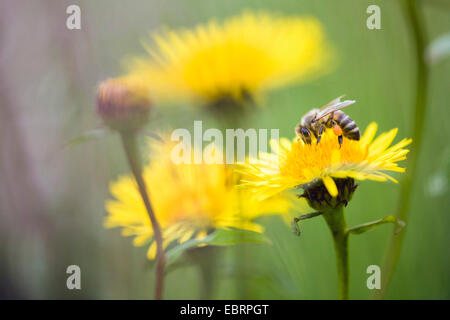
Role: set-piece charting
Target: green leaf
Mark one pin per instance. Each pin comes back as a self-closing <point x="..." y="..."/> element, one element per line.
<point x="295" y="228"/>
<point x="225" y="237"/>
<point x="173" y="253"/>
<point x="399" y="224"/>
<point x="85" y="137"/>
<point x="220" y="237"/>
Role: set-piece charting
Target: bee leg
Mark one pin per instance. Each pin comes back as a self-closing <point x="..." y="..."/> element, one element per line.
<point x="340" y="141"/>
<point x="322" y="128"/>
<point x="338" y="131"/>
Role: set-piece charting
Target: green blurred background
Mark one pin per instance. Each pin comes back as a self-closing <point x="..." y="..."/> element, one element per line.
<point x="51" y="197"/>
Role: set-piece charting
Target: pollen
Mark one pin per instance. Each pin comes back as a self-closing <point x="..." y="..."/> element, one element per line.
<point x="337" y="130"/>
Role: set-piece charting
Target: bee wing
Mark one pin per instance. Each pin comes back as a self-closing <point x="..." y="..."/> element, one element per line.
<point x="333" y="106"/>
<point x="331" y="103"/>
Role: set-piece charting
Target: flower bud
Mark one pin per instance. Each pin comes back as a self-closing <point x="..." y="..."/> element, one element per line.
<point x="123" y="103"/>
<point x="319" y="198"/>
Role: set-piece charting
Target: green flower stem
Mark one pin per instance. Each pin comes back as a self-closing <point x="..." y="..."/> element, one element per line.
<point x="416" y="25"/>
<point x="206" y="258"/>
<point x="338" y="227"/>
<point x="129" y="142"/>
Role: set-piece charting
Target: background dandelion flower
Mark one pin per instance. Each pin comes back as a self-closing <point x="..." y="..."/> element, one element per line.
<point x="235" y="60"/>
<point x="298" y="164"/>
<point x="190" y="201"/>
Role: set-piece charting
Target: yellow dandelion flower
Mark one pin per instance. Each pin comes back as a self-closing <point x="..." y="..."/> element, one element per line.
<point x="189" y="200"/>
<point x="234" y="60"/>
<point x="326" y="172"/>
<point x="298" y="164"/>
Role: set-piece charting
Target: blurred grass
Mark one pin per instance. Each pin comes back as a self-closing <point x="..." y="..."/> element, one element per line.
<point x="375" y="67"/>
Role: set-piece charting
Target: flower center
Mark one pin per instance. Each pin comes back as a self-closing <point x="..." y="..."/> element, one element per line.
<point x="306" y="161"/>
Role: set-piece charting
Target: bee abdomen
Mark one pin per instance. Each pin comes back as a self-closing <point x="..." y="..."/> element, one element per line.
<point x="352" y="135"/>
<point x="349" y="128"/>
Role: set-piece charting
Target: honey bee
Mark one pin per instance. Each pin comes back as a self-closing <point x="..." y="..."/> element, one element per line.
<point x="329" y="116"/>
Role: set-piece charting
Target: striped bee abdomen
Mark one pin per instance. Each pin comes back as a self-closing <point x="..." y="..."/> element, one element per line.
<point x="349" y="128"/>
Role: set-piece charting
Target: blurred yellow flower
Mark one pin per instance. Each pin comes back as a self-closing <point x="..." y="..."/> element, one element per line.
<point x="298" y="164"/>
<point x="234" y="60"/>
<point x="189" y="201"/>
